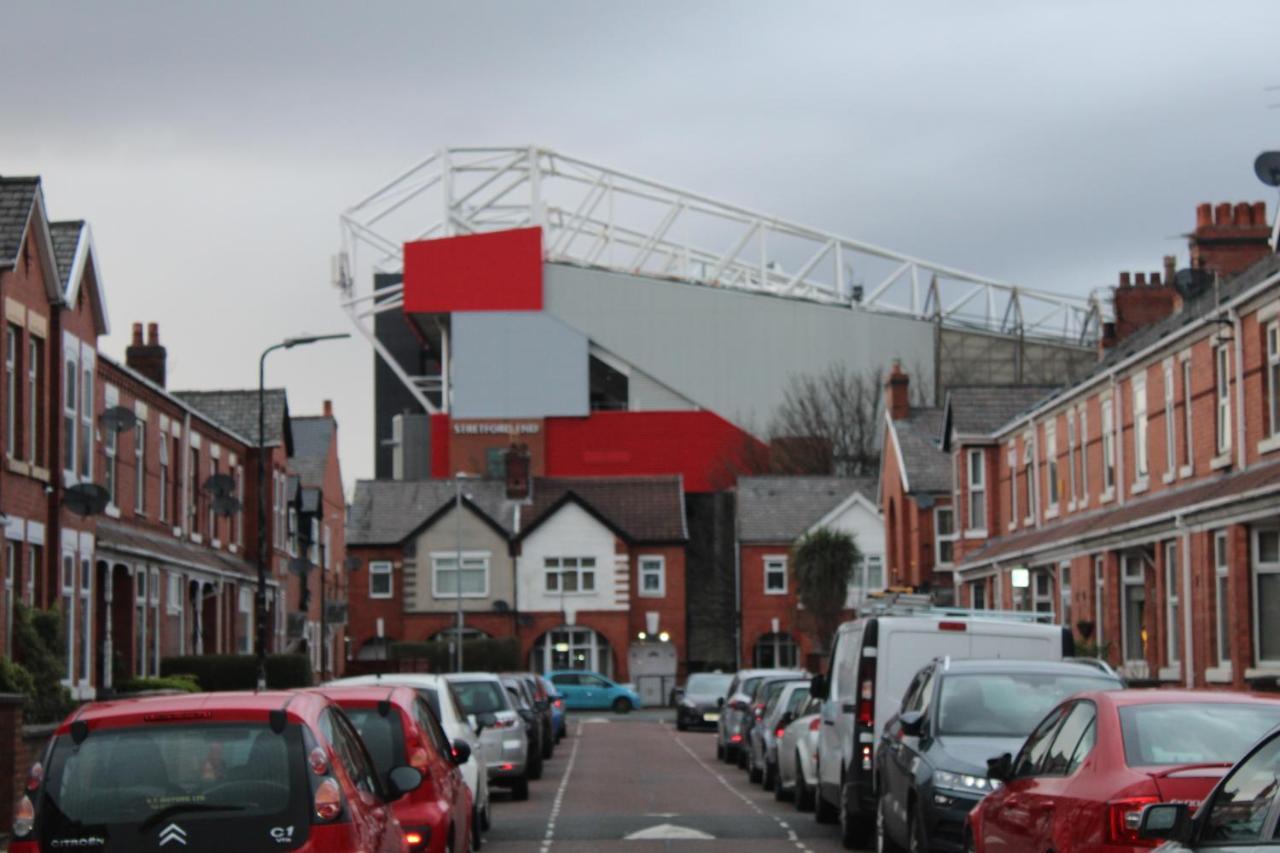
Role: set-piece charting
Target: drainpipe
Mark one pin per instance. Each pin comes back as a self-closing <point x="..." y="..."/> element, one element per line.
<point x="1184" y="601"/>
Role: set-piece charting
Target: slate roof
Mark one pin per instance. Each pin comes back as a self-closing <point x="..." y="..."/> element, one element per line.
<point x="928" y="468"/>
<point x="311" y="439"/>
<point x="983" y="409"/>
<point x="16" y="197"/>
<point x="131" y="539"/>
<point x="646" y="509"/>
<point x="66" y="237"/>
<point x="386" y="512"/>
<point x="781" y="509"/>
<point x="238" y="411"/>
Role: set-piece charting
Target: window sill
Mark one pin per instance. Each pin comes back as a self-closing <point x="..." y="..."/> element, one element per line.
<point x="1186" y="471"/>
<point x="386" y="597"/>
<point x="449" y="596"/>
<point x="775" y="592"/>
<point x="41" y="474"/>
<point x="975" y="534"/>
<point x="1219" y="462"/>
<point x="1269" y="444"/>
<point x="1107" y="496"/>
<point x="578" y="594"/>
<point x="112" y="511"/>
<point x="1218" y="674"/>
<point x="17" y="466"/>
<point x="1050" y="513"/>
<point x="1139" y="486"/>
<point x="1170" y="673"/>
<point x="1169" y="477"/>
<point x="196" y="538"/>
<point x="661" y="594"/>
<point x="177" y="531"/>
<point x="1267" y="670"/>
<point x="216" y="544"/>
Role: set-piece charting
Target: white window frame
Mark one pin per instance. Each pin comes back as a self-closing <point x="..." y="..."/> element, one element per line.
<point x="173" y="592"/>
<point x="140" y="581"/>
<point x="1260" y="568"/>
<point x="154" y="611"/>
<point x="67" y="576"/>
<point x="244" y="618"/>
<point x="70" y="410"/>
<point x="1108" y="450"/>
<point x="1188" y="447"/>
<point x="13" y="334"/>
<point x="210" y="513"/>
<point x="1170" y="424"/>
<point x="11" y="560"/>
<point x="379" y="569"/>
<point x="164" y="477"/>
<point x="1128" y="580"/>
<point x="1141" y="462"/>
<point x="976" y="478"/>
<point x="1273" y="378"/>
<point x="240" y="511"/>
<point x="469" y="560"/>
<point x="1011" y="455"/>
<point x="1222" y="400"/>
<point x="1053" y="482"/>
<point x="1084" y="456"/>
<point x="140" y="466"/>
<point x="651" y="566"/>
<point x="35" y="347"/>
<point x="1099" y="601"/>
<point x="940" y="538"/>
<point x="1071" y="459"/>
<point x="1222" y="599"/>
<point x="110" y="444"/>
<point x="1172" y="608"/>
<point x="775" y="565"/>
<point x="558" y="568"/>
<point x="87" y="407"/>
<point x="85" y="592"/>
<point x="1028" y="473"/>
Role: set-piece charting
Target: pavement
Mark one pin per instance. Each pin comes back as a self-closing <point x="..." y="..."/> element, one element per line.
<point x="620" y="775"/>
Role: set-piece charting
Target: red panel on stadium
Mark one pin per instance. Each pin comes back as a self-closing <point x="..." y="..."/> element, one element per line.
<point x="497" y="271"/>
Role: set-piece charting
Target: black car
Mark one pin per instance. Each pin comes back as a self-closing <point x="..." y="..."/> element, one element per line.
<point x="766" y="689"/>
<point x="698" y="702"/>
<point x="522" y="699"/>
<point x="541" y="704"/>
<point x="931" y="768"/>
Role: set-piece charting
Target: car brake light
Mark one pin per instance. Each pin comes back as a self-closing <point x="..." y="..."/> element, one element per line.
<point x="815" y="723"/>
<point x="1124" y="817"/>
<point x="318" y="761"/>
<point x="417" y="838"/>
<point x="867" y="692"/>
<point x="780" y="731"/>
<point x="559" y="703"/>
<point x="35" y="776"/>
<point x="735" y="738"/>
<point x="952" y="626"/>
<point x="419" y="760"/>
<point x="24" y="817"/>
<point x="507" y="767"/>
<point x="328" y="802"/>
<point x="504" y="723"/>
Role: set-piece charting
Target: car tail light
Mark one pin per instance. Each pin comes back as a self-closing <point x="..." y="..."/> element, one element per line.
<point x="419" y="760"/>
<point x="867" y="693"/>
<point x="1124" y="816"/>
<point x="418" y="838"/>
<point x="34" y="777"/>
<point x="318" y="761"/>
<point x="504" y="723"/>
<point x="779" y="731"/>
<point x="952" y="626"/>
<point x="758" y="710"/>
<point x="735" y="738"/>
<point x="507" y="767"/>
<point x="866" y="756"/>
<point x="559" y="703"/>
<point x="24" y="816"/>
<point x="328" y="801"/>
<point x="815" y="723"/>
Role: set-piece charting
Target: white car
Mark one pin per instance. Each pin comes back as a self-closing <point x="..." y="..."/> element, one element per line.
<point x="436" y="693"/>
<point x="503" y="739"/>
<point x="798" y="757"/>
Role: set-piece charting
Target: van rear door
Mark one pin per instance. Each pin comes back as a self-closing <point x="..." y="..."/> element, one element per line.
<point x="904" y="649"/>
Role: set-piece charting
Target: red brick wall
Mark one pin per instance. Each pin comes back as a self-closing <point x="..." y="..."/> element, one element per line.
<point x="670" y="607"/>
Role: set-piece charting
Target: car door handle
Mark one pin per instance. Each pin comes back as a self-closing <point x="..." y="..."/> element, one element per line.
<point x="848" y="709"/>
<point x="828" y="722"/>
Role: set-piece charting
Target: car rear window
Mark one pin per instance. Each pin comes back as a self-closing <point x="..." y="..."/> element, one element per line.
<point x="749" y="685"/>
<point x="480" y="697"/>
<point x="710" y="685"/>
<point x="1193" y="732"/>
<point x="1007" y="704"/>
<point x="382" y="736"/>
<point x="223" y="784"/>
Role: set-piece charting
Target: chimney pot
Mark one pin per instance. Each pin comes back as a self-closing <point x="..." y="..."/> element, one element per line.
<point x="153" y="334"/>
<point x="1204" y="215"/>
<point x="1154" y="279"/>
<point x="1139" y="279"/>
<point x="1170" y="264"/>
<point x="328" y="408"/>
<point x="1124" y="279"/>
<point x="1260" y="213"/>
<point x="1241" y="215"/>
<point x="1222" y="214"/>
<point x="147" y="358"/>
<point x="137" y="334"/>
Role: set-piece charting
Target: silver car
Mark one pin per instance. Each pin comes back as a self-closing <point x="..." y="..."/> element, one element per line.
<point x="503" y="739"/>
<point x="780" y="710"/>
<point x="797" y="754"/>
<point x="731" y="728"/>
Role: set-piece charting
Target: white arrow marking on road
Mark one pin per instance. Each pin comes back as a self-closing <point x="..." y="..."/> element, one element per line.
<point x="173" y="832"/>
<point x="668" y="831"/>
<point x="596" y="720"/>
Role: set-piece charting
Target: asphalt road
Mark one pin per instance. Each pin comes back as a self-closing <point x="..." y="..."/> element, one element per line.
<point x="618" y="775"/>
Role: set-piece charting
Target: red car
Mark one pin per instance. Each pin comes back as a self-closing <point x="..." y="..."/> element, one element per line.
<point x="1082" y="778"/>
<point x="209" y="772"/>
<point x="399" y="728"/>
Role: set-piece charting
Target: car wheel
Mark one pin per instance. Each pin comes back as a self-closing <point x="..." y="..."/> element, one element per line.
<point x="884" y="844"/>
<point x="548" y="744"/>
<point x="485" y="823"/>
<point x="681" y="726"/>
<point x="771" y="782"/>
<point x="853" y="828"/>
<point x="534" y="769"/>
<point x="475" y="841"/>
<point x="970" y="846"/>
<point x="622" y="705"/>
<point x="719" y="750"/>
<point x="804" y="794"/>
<point x="754" y="774"/>
<point x="520" y="790"/>
<point x="743" y="758"/>
<point x="823" y="811"/>
<point x="916" y="840"/>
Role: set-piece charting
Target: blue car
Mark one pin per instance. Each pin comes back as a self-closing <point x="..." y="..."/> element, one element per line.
<point x="592" y="691"/>
<point x="558" y="727"/>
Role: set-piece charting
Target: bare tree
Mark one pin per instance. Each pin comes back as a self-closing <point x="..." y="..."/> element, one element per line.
<point x="826" y="423"/>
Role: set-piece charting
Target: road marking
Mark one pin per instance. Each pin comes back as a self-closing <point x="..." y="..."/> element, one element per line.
<point x="782" y="824"/>
<point x="564" y="783"/>
<point x="668" y="831"/>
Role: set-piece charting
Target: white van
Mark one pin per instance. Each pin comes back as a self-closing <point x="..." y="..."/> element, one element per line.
<point x="871" y="665"/>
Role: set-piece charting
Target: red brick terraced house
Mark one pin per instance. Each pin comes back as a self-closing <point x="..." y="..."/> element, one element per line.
<point x="1142" y="504"/>
<point x="775" y="512"/>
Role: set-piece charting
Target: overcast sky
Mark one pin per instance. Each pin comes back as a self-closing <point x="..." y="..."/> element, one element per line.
<point x="213" y="146"/>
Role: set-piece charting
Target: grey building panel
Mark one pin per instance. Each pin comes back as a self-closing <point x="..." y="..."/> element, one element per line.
<point x="517" y="364"/>
<point x="728" y="351"/>
<point x="648" y="395"/>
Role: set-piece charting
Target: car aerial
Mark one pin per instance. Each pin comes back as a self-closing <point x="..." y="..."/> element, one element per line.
<point x="731" y="727"/>
<point x="1242" y="813"/>
<point x="1094" y="762"/>
<point x="542" y="703"/>
<point x="872" y="661"/>
<point x="556" y="701"/>
<point x="781" y="711"/>
<point x="698" y="704"/>
<point x="931" y="768"/>
<point x="399" y="728"/>
<point x="590" y="690"/>
<point x="798" y="757"/>
<point x="523" y="700"/>
<point x="758" y="734"/>
<point x="210" y="772"/>
<point x="487" y="705"/>
<point x="435" y="691"/>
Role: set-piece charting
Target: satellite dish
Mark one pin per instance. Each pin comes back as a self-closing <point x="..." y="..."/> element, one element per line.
<point x="1267" y="168"/>
<point x="351" y="564"/>
<point x="226" y="505"/>
<point x="300" y="566"/>
<point x="1192" y="282"/>
<point x="501" y="606"/>
<point x="86" y="499"/>
<point x="117" y="419"/>
<point x="220" y="485"/>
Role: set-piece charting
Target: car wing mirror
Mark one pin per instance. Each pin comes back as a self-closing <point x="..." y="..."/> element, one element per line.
<point x="1000" y="767"/>
<point x="461" y="752"/>
<point x="818" y="686"/>
<point x="402" y="780"/>
<point x="476" y="725"/>
<point x="720" y="702"/>
<point x="912" y="723"/>
<point x="1166" y="821"/>
<point x="787" y="719"/>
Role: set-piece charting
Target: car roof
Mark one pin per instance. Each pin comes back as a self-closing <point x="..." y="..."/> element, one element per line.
<point x="993" y="666"/>
<point x="229" y="705"/>
<point x="1147" y="696"/>
<point x="472" y="676"/>
<point x="409" y="679"/>
<point x="400" y="694"/>
<point x="578" y="672"/>
<point x="755" y="673"/>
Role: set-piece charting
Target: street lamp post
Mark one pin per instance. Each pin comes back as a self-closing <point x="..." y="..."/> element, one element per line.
<point x="260" y="598"/>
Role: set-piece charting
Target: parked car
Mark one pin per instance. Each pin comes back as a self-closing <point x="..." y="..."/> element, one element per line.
<point x="731" y="727"/>
<point x="778" y="714"/>
<point x="590" y="690"/>
<point x="435" y="691"/>
<point x="698" y="703"/>
<point x="931" y="768"/>
<point x="798" y="757"/>
<point x="1241" y="812"/>
<point x="1097" y="759"/>
<point x="540" y="696"/>
<point x="758" y="733"/>
<point x="492" y="714"/>
<point x="398" y="729"/>
<point x="523" y="701"/>
<point x="873" y="660"/>
<point x="210" y="772"/>
<point x="558" y="723"/>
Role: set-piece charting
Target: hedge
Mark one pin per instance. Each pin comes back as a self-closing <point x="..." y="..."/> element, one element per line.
<point x="491" y="654"/>
<point x="186" y="683"/>
<point x="239" y="672"/>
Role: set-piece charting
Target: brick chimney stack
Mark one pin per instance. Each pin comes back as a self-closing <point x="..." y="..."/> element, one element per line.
<point x="147" y="358"/>
<point x="1229" y="239"/>
<point x="1139" y="301"/>
<point x="897" y="392"/>
<point x="328" y="408"/>
<point x="517" y="464"/>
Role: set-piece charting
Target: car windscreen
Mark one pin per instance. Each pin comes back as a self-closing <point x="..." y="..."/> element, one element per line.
<point x="223" y="785"/>
<point x="1006" y="704"/>
<point x="383" y="736"/>
<point x="480" y="697"/>
<point x="707" y="685"/>
<point x="1193" y="732"/>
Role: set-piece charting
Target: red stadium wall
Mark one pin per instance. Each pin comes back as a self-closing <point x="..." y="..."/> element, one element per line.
<point x="498" y="271"/>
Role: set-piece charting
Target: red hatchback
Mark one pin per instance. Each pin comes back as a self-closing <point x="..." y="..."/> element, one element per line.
<point x="208" y="772"/>
<point x="400" y="729"/>
<point x="1082" y="778"/>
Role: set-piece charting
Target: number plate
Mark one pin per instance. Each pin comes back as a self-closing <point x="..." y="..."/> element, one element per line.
<point x="711" y="717"/>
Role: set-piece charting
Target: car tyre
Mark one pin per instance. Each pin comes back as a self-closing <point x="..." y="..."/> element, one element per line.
<point x="884" y="844"/>
<point x="622" y="705"/>
<point x="823" y="811"/>
<point x="770" y="782"/>
<point x="681" y="725"/>
<point x="917" y="839"/>
<point x="475" y="841"/>
<point x="719" y="750"/>
<point x="520" y="790"/>
<point x="534" y="768"/>
<point x="743" y="758"/>
<point x="804" y="794"/>
<point x="754" y="774"/>
<point x="853" y="828"/>
<point x="548" y="744"/>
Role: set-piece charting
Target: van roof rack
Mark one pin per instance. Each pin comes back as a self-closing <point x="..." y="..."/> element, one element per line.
<point x="921" y="604"/>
